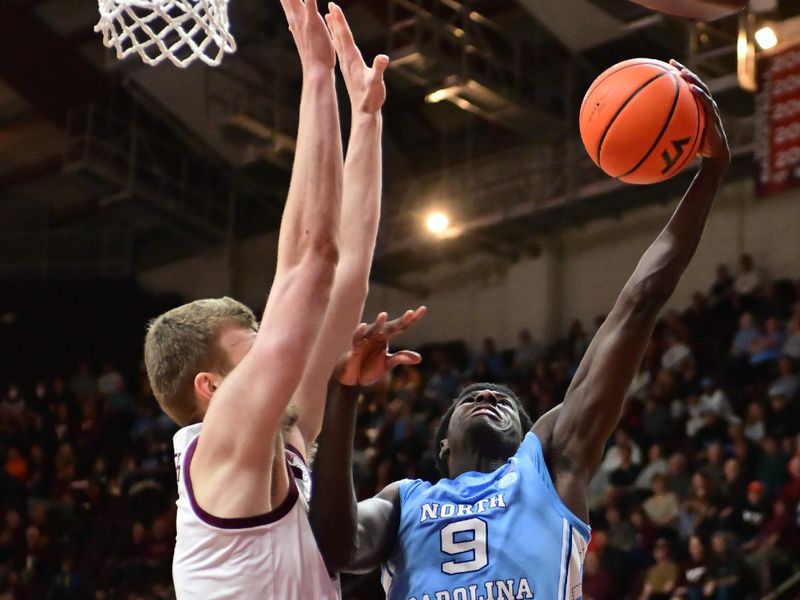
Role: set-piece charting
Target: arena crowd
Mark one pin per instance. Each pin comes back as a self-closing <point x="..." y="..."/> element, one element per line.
<point x="697" y="497"/>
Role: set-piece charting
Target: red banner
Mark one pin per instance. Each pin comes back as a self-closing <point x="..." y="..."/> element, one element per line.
<point x="778" y="122"/>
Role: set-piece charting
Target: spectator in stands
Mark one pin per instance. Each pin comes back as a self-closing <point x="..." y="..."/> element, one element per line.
<point x="747" y="283"/>
<point x="406" y="383"/>
<point x="597" y="583"/>
<point x="613" y="457"/>
<point x="676" y="353"/>
<point x="745" y="336"/>
<point x="696" y="316"/>
<point x="773" y="547"/>
<point x="625" y="474"/>
<point x="577" y="341"/>
<point x="16" y="465"/>
<point x="713" y="429"/>
<point x="713" y="464"/>
<point x="13" y="404"/>
<point x="612" y="560"/>
<point x="445" y="381"/>
<point x="526" y="354"/>
<point x="774" y="303"/>
<point x="733" y="486"/>
<point x="783" y="418"/>
<point x="788" y="382"/>
<point x="83" y="383"/>
<point x="727" y="571"/>
<point x="673" y="323"/>
<point x="755" y="427"/>
<point x="656" y="465"/>
<point x="491" y="358"/>
<point x="641" y="382"/>
<point x="694" y="572"/>
<point x="110" y="381"/>
<point x="790" y="493"/>
<point x="692" y="409"/>
<point x="766" y="348"/>
<point x="642" y="552"/>
<point x="679" y="480"/>
<point x="480" y="371"/>
<point x="621" y="534"/>
<point x="792" y="345"/>
<point x="663" y="506"/>
<point x="713" y="398"/>
<point x="66" y="583"/>
<point x="751" y="513"/>
<point x="662" y="578"/>
<point x="656" y="424"/>
<point x="699" y="509"/>
<point x="721" y="290"/>
<point x="771" y="465"/>
<point x="745" y="452"/>
<point x="542" y="387"/>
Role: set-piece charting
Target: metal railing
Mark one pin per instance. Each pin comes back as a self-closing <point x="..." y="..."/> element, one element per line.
<point x="124" y="161"/>
<point x="788" y="590"/>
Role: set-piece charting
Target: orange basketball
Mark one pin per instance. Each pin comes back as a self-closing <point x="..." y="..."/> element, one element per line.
<point x="641" y="122"/>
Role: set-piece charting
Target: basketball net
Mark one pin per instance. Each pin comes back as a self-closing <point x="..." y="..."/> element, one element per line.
<point x="179" y="30"/>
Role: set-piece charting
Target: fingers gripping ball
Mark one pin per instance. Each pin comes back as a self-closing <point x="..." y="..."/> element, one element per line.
<point x="640" y="121"/>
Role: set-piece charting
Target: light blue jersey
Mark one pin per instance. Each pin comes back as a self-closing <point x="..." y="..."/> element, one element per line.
<point x="488" y="536"/>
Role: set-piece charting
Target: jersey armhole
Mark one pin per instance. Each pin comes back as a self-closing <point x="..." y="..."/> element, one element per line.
<point x="230" y="523"/>
<point x="531" y="449"/>
<point x="407" y="488"/>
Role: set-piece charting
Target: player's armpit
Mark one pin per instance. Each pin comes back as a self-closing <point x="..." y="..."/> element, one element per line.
<point x="378" y="522"/>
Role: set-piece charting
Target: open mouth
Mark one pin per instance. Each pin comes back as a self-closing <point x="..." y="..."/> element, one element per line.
<point x="485" y="409"/>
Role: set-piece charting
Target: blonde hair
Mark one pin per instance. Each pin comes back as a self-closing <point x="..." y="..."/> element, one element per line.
<point x="182" y="343"/>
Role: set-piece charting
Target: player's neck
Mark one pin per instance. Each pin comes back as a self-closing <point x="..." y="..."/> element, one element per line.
<point x="481" y="459"/>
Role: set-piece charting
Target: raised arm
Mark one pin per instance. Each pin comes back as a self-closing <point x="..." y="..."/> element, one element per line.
<point x="594" y="401"/>
<point x="353" y="536"/>
<point x="239" y="438"/>
<point x="361" y="207"/>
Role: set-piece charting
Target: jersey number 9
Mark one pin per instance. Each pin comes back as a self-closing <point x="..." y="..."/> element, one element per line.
<point x="474" y="543"/>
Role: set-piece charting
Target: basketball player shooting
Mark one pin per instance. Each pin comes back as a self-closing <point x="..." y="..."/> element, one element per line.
<point x="509" y="518"/>
<point x="242" y="526"/>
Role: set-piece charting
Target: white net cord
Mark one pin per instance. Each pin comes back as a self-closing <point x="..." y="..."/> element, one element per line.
<point x="179" y="30"/>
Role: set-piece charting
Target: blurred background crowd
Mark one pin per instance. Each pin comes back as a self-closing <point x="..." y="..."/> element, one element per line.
<point x="697" y="497"/>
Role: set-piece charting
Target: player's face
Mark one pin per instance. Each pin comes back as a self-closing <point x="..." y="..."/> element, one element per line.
<point x="490" y="410"/>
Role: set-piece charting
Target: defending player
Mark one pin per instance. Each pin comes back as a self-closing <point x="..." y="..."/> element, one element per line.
<point x="509" y="518"/>
<point x="242" y="524"/>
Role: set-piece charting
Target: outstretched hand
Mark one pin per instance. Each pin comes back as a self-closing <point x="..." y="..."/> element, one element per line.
<point x="368" y="360"/>
<point x="310" y="34"/>
<point x="715" y="142"/>
<point x="364" y="84"/>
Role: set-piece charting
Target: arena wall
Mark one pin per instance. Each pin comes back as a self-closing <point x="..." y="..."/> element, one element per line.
<point x="577" y="275"/>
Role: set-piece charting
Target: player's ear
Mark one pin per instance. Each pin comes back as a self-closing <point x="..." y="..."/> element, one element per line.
<point x="205" y="384"/>
<point x="444" y="449"/>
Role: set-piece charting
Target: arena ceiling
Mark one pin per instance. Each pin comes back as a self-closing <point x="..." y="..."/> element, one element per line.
<point x="109" y="167"/>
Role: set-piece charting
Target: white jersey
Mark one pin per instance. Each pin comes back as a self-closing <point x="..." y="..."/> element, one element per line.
<point x="267" y="557"/>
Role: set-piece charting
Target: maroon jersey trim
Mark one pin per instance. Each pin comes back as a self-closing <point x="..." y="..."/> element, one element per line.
<point x="297" y="453"/>
<point x="242" y="522"/>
